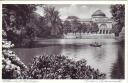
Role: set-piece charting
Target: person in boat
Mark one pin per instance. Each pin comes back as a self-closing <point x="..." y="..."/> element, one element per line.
<point x="95" y="44"/>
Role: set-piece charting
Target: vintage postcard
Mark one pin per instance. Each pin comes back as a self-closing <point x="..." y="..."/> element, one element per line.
<point x="84" y="41"/>
<point x="63" y="0"/>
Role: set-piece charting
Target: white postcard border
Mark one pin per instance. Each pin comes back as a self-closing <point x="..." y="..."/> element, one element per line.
<point x="70" y="2"/>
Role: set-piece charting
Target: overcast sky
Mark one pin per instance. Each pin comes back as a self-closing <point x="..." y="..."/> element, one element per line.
<point x="81" y="11"/>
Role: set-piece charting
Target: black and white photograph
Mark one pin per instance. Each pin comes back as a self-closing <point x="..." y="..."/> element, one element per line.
<point x="63" y="41"/>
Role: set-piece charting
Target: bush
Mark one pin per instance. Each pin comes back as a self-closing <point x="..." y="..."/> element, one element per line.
<point x="60" y="67"/>
<point x="12" y="66"/>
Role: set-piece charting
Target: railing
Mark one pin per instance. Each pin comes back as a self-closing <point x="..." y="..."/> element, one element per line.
<point x="89" y="36"/>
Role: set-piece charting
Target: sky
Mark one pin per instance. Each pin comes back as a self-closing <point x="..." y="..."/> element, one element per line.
<point x="83" y="11"/>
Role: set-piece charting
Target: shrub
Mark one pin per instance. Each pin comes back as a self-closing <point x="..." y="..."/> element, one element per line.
<point x="60" y="67"/>
<point x="12" y="66"/>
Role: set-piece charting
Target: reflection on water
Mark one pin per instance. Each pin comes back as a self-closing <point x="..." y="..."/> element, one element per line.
<point x="103" y="58"/>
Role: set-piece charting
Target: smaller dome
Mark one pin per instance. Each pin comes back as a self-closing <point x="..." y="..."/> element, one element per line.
<point x="98" y="13"/>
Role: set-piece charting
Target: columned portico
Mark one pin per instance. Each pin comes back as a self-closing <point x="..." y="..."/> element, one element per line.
<point x="104" y="31"/>
<point x="104" y="23"/>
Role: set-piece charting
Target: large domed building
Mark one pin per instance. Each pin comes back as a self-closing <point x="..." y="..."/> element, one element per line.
<point x="98" y="14"/>
<point x="104" y="24"/>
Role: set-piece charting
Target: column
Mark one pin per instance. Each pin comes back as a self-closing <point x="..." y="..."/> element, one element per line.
<point x="101" y="31"/>
<point x="106" y="31"/>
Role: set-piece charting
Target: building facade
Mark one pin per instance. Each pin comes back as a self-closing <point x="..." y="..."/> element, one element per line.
<point x="104" y="24"/>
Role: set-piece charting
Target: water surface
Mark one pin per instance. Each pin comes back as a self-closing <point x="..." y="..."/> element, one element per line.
<point x="109" y="58"/>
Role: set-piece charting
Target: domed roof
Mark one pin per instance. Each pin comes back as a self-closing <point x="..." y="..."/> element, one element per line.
<point x="98" y="13"/>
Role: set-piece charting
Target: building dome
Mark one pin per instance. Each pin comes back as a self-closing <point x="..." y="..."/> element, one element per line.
<point x="98" y="13"/>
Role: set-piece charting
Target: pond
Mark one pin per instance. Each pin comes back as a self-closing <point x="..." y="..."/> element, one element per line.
<point x="109" y="58"/>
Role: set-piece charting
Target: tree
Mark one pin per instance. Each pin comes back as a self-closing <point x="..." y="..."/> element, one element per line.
<point x="75" y="23"/>
<point x="94" y="27"/>
<point x="118" y="13"/>
<point x="76" y="27"/>
<point x="53" y="21"/>
<point x="88" y="27"/>
<point x="91" y="27"/>
<point x="42" y="31"/>
<point x="12" y="66"/>
<point x="66" y="26"/>
<point x="15" y="18"/>
<point x="34" y="26"/>
<point x="84" y="27"/>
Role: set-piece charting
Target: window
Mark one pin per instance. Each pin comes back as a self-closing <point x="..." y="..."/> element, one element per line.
<point x="100" y="31"/>
<point x="103" y="31"/>
<point x="103" y="26"/>
<point x="106" y="31"/>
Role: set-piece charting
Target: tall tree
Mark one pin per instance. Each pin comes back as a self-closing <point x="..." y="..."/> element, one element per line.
<point x="53" y="21"/>
<point x="15" y="17"/>
<point x="118" y="13"/>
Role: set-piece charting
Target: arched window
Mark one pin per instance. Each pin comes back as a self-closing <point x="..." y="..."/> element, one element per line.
<point x="103" y="26"/>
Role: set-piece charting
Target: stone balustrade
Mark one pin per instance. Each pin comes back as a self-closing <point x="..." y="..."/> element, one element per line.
<point x="89" y="36"/>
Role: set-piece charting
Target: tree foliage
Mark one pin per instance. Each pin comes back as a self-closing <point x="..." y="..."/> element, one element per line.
<point x="12" y="66"/>
<point x="84" y="27"/>
<point x="53" y="21"/>
<point x="74" y="24"/>
<point x="15" y="17"/>
<point x="94" y="27"/>
<point x="66" y="27"/>
<point x="118" y="13"/>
